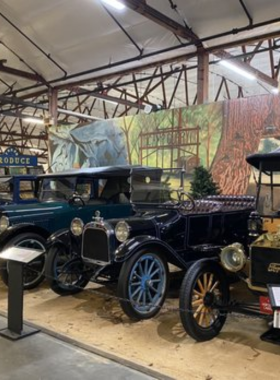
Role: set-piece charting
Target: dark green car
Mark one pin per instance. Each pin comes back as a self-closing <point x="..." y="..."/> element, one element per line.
<point x="62" y="197"/>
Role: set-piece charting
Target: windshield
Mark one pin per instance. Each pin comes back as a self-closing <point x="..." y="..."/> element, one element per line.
<point x="156" y="186"/>
<point x="6" y="189"/>
<point x="269" y="194"/>
<point x="90" y="190"/>
<point x="57" y="189"/>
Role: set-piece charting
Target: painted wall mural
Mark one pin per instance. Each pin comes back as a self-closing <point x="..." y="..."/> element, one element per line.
<point x="100" y="143"/>
<point x="218" y="136"/>
<point x="248" y="123"/>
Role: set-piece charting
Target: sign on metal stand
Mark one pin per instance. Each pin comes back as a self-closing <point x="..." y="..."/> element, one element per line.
<point x="17" y="258"/>
<point x="273" y="334"/>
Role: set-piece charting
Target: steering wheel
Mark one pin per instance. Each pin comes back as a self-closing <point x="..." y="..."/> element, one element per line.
<point x="75" y="198"/>
<point x="188" y="204"/>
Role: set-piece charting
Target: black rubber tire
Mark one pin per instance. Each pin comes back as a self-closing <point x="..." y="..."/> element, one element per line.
<point x="57" y="286"/>
<point x="123" y="286"/>
<point x="190" y="324"/>
<point x="4" y="272"/>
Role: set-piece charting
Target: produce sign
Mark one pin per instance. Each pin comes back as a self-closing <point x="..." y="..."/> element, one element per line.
<point x="12" y="157"/>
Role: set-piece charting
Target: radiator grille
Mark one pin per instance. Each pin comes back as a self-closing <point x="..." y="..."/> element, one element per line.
<point x="265" y="264"/>
<point x="95" y="245"/>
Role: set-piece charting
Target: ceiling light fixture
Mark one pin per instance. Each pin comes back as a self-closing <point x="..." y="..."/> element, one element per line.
<point x="36" y="150"/>
<point x="115" y="4"/>
<point x="33" y="120"/>
<point x="237" y="70"/>
<point x="275" y="90"/>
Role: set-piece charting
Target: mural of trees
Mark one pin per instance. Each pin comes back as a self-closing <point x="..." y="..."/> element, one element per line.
<point x="209" y="119"/>
<point x="217" y="136"/>
<point x="246" y="122"/>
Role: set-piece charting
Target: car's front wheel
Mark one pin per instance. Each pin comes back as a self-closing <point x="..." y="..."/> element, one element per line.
<point x="142" y="284"/>
<point x="33" y="272"/>
<point x="65" y="273"/>
<point x="204" y="296"/>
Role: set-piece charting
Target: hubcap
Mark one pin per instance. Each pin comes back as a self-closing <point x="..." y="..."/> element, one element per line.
<point x="208" y="299"/>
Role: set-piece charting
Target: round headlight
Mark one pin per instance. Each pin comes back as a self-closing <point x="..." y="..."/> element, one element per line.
<point x="4" y="223"/>
<point x="122" y="231"/>
<point x="77" y="226"/>
<point x="233" y="257"/>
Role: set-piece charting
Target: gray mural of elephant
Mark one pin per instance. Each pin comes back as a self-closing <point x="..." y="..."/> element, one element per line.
<point x="100" y="143"/>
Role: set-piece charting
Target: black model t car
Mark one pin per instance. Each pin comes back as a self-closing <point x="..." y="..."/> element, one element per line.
<point x="205" y="295"/>
<point x="168" y="227"/>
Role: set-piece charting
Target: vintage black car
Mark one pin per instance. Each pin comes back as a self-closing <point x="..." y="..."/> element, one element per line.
<point x="61" y="197"/>
<point x="205" y="292"/>
<point x="169" y="227"/>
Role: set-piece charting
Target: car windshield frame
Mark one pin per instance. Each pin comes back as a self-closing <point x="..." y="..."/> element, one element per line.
<point x="266" y="179"/>
<point x="56" y="194"/>
<point x="156" y="187"/>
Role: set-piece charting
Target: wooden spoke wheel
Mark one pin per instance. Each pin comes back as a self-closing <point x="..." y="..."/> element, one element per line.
<point x="203" y="299"/>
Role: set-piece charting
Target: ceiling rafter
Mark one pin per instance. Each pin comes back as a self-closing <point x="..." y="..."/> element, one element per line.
<point x="152" y="14"/>
<point x="257" y="73"/>
<point x="178" y="29"/>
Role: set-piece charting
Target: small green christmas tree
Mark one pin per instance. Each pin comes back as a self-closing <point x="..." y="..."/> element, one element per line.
<point x="203" y="184"/>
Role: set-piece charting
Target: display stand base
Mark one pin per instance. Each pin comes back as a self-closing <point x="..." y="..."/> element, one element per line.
<point x="26" y="331"/>
<point x="271" y="336"/>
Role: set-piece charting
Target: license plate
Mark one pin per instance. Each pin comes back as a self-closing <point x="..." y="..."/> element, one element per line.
<point x="265" y="305"/>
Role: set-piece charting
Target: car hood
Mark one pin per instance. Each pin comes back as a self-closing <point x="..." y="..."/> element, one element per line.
<point x="14" y="211"/>
<point x="147" y="223"/>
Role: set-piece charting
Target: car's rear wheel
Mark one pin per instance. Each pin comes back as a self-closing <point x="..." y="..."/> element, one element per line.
<point x="65" y="273"/>
<point x="33" y="272"/>
<point x="204" y="296"/>
<point x="142" y="284"/>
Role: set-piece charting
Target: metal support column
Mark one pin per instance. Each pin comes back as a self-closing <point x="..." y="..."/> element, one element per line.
<point x="202" y="77"/>
<point x="53" y="106"/>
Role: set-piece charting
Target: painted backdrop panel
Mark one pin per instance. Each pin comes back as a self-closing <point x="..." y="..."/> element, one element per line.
<point x="218" y="136"/>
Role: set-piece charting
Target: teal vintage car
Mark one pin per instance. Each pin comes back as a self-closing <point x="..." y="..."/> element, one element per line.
<point x="62" y="197"/>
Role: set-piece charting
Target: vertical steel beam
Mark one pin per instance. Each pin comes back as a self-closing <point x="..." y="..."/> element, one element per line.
<point x="202" y="77"/>
<point x="53" y="105"/>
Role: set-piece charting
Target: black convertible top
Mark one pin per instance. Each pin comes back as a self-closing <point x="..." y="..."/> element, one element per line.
<point x="267" y="161"/>
<point x="106" y="171"/>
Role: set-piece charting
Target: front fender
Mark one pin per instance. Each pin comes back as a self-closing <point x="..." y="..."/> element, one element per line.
<point x="21" y="228"/>
<point x="59" y="237"/>
<point x="128" y="248"/>
<point x="65" y="238"/>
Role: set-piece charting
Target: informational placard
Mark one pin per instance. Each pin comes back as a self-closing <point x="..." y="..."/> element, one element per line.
<point x="12" y="157"/>
<point x="276" y="319"/>
<point x="274" y="294"/>
<point x="22" y="255"/>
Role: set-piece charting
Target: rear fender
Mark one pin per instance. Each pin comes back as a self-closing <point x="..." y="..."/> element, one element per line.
<point x="131" y="246"/>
